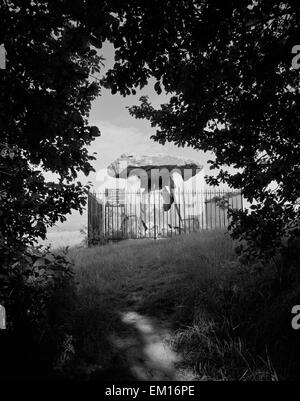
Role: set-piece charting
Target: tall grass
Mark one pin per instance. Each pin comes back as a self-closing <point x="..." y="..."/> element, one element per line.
<point x="230" y="322"/>
<point x="157" y="278"/>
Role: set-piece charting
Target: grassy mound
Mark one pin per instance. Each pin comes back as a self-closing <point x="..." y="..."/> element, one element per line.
<point x="230" y="322"/>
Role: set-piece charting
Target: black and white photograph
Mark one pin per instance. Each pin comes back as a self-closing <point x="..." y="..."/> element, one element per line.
<point x="149" y="194"/>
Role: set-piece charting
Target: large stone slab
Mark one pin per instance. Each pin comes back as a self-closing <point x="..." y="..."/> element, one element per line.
<point x="126" y="163"/>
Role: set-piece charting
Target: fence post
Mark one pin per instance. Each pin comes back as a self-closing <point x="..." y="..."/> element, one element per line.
<point x="104" y="219"/>
<point x="179" y="214"/>
<point x="154" y="217"/>
<point x="89" y="219"/>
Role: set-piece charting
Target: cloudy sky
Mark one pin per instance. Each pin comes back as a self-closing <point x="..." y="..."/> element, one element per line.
<point x="121" y="133"/>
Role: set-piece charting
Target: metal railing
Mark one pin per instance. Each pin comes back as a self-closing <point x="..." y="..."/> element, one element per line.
<point x="116" y="214"/>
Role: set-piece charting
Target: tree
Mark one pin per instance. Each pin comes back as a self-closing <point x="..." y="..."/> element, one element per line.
<point x="228" y="66"/>
<point x="46" y="92"/>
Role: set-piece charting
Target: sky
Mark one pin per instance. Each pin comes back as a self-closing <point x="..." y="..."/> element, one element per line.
<point x="122" y="133"/>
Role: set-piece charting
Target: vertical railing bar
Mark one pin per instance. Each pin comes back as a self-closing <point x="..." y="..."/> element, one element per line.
<point x="184" y="211"/>
<point x="105" y="213"/>
<point x="135" y="222"/>
<point x="226" y="199"/>
<point x="107" y="218"/>
<point x="172" y="218"/>
<point x="125" y="213"/>
<point x="188" y="214"/>
<point x="219" y="209"/>
<point x="179" y="213"/>
<point x="215" y="220"/>
<point x="175" y="213"/>
<point x="92" y="219"/>
<point x="134" y="214"/>
<point x="149" y="214"/>
<point x="93" y="224"/>
<point x="206" y="211"/>
<point x="196" y="214"/>
<point x="116" y="207"/>
<point x="211" y="209"/>
<point x="154" y="212"/>
<point x="112" y="218"/>
<point x="196" y="205"/>
<point x="138" y="221"/>
<point x="88" y="220"/>
<point x="159" y="212"/>
<point x="127" y="217"/>
<point x="187" y="205"/>
<point x="202" y="210"/>
<point x="129" y="220"/>
<point x="163" y="218"/>
<point x="140" y="213"/>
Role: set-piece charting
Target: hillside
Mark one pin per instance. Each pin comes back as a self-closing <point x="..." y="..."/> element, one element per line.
<point x="165" y="309"/>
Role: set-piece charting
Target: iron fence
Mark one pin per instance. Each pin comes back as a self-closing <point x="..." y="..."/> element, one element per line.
<point x="116" y="214"/>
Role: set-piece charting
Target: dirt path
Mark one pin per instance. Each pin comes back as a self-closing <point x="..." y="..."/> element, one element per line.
<point x="135" y="296"/>
<point x="147" y="350"/>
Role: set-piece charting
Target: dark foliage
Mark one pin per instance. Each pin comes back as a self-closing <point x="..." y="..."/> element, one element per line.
<point x="45" y="97"/>
<point x="46" y="92"/>
<point x="228" y="66"/>
<point x="37" y="290"/>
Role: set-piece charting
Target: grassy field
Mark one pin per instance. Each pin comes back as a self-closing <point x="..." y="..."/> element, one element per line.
<point x="219" y="320"/>
<point x="153" y="276"/>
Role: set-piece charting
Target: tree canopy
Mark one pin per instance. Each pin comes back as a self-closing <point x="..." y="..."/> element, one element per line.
<point x="45" y="97"/>
<point x="228" y="66"/>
